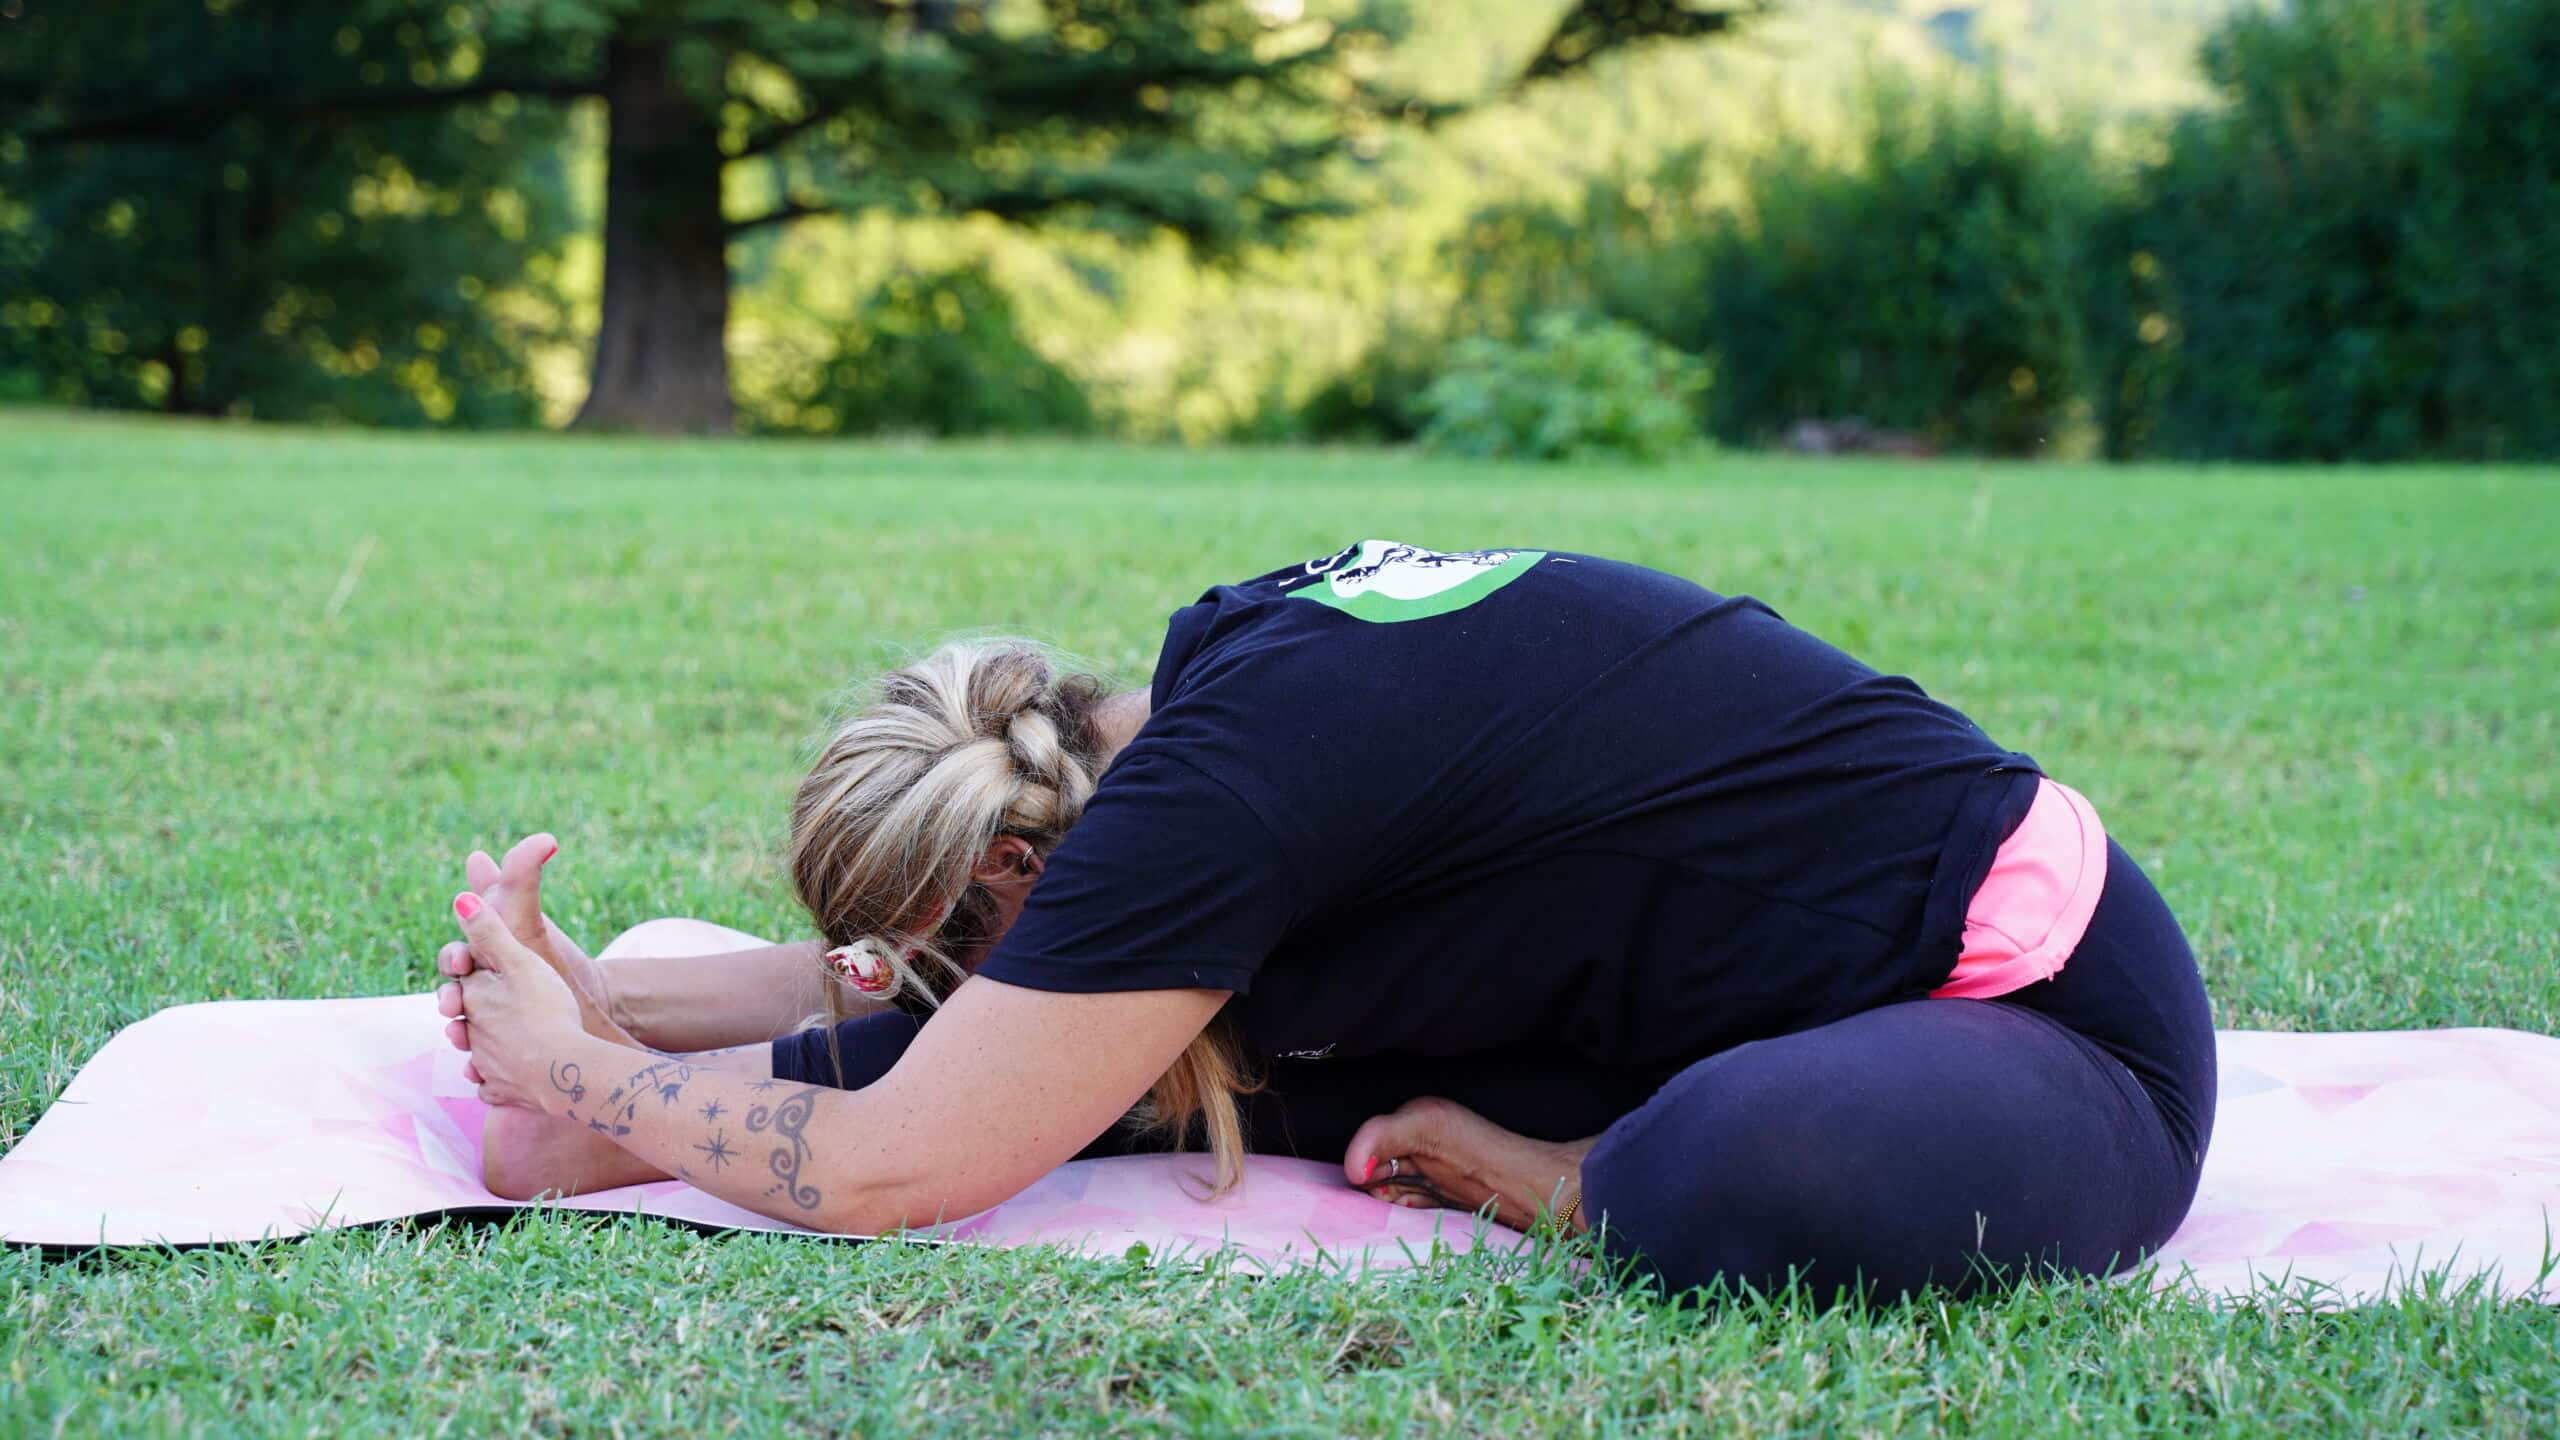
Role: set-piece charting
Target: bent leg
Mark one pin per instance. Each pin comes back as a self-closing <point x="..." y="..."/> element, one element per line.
<point x="1939" y="1141"/>
<point x="676" y="937"/>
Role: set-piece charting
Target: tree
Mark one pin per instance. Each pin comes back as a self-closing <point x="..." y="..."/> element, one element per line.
<point x="2357" y="255"/>
<point x="1213" y="118"/>
<point x="213" y="212"/>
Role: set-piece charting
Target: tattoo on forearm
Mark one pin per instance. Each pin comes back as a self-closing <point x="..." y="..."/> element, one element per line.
<point x="564" y="1078"/>
<point x="665" y="1080"/>
<point x="788" y="1122"/>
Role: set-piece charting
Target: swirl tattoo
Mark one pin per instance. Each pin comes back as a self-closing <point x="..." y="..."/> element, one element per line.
<point x="787" y="1121"/>
<point x="565" y="1079"/>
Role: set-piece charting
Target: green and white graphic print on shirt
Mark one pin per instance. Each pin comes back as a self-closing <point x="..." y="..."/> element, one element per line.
<point x="1388" y="581"/>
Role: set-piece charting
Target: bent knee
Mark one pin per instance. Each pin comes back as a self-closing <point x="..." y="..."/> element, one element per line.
<point x="1745" y="1198"/>
<point x="676" y="937"/>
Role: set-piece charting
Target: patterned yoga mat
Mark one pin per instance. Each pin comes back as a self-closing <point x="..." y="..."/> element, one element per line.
<point x="2345" y="1161"/>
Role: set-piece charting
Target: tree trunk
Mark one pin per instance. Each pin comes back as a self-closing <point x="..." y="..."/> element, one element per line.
<point x="662" y="362"/>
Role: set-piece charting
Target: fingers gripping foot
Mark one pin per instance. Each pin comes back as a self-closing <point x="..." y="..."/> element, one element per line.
<point x="513" y="888"/>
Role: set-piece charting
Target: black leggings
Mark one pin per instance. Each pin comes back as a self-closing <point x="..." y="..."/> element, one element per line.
<point x="2060" y="1127"/>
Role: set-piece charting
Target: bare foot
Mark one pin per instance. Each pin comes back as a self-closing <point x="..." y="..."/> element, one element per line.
<point x="513" y="887"/>
<point x="1435" y="1152"/>
<point x="525" y="1153"/>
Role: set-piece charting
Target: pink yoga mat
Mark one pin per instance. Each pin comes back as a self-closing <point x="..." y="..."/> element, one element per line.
<point x="2348" y="1162"/>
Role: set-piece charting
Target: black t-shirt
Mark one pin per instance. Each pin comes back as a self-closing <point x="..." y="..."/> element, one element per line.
<point x="1516" y="803"/>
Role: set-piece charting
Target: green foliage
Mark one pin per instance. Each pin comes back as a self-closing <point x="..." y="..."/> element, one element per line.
<point x="1379" y="398"/>
<point x="936" y="354"/>
<point x="1573" y="387"/>
<point x="1930" y="284"/>
<point x="1615" y="257"/>
<point x="193" y="255"/>
<point x="2358" y="255"/>
<point x="1626" y="251"/>
<point x="1224" y="122"/>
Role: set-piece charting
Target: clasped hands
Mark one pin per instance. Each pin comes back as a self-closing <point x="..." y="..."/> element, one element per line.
<point x="519" y="987"/>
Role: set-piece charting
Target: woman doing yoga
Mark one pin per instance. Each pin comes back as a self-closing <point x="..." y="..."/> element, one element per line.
<point x="1508" y="878"/>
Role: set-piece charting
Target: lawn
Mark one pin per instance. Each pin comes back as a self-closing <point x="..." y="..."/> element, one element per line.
<point x="260" y="690"/>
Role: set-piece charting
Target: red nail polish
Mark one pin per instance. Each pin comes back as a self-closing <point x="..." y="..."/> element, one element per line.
<point x="466" y="904"/>
<point x="546" y="856"/>
<point x="1369" y="1169"/>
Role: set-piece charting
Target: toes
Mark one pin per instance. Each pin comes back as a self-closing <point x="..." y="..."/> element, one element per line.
<point x="457" y="1033"/>
<point x="449" y="1001"/>
<point x="523" y="865"/>
<point x="454" y="959"/>
<point x="470" y="1073"/>
<point x="480" y="872"/>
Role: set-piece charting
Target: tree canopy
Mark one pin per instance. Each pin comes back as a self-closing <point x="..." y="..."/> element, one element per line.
<point x="227" y="205"/>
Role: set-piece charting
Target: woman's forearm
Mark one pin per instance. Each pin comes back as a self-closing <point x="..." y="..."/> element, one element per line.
<point x="775" y="1148"/>
<point x="706" y="1002"/>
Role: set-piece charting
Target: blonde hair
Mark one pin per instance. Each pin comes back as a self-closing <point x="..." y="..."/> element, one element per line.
<point x="979" y="739"/>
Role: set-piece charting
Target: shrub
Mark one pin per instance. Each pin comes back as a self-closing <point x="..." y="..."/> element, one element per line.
<point x="1573" y="386"/>
<point x="2358" y="255"/>
<point x="1930" y="284"/>
<point x="936" y="354"/>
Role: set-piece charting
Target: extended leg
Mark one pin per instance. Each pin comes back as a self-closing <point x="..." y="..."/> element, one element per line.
<point x="525" y="1153"/>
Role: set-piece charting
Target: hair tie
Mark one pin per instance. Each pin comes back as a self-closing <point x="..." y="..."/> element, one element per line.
<point x="861" y="965"/>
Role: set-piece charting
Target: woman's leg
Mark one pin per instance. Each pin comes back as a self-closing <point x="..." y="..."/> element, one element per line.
<point x="2063" y="1125"/>
<point x="676" y="937"/>
<point x="1938" y="1141"/>
<point x="525" y="1153"/>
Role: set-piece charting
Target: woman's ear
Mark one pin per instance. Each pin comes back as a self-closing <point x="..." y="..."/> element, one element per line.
<point x="1008" y="858"/>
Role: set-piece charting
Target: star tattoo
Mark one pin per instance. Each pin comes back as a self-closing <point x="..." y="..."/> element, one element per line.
<point x="718" y="1151"/>
<point x="713" y="1111"/>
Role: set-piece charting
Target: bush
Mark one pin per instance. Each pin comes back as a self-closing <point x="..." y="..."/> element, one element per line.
<point x="2358" y="256"/>
<point x="1931" y="284"/>
<point x="1627" y="252"/>
<point x="1573" y="386"/>
<point x="936" y="354"/>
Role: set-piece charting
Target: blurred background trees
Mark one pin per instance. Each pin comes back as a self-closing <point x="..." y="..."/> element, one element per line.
<point x="2160" y="227"/>
<point x="213" y="213"/>
<point x="2356" y="255"/>
<point x="1211" y="122"/>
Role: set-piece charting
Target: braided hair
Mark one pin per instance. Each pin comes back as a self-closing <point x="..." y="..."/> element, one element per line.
<point x="977" y="740"/>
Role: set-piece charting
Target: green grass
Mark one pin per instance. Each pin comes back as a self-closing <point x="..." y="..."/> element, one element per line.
<point x="260" y="690"/>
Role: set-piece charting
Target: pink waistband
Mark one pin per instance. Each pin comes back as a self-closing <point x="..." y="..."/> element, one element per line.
<point x="2035" y="904"/>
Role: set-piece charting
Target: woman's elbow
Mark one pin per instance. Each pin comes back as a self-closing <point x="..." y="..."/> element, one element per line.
<point x="885" y="1208"/>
